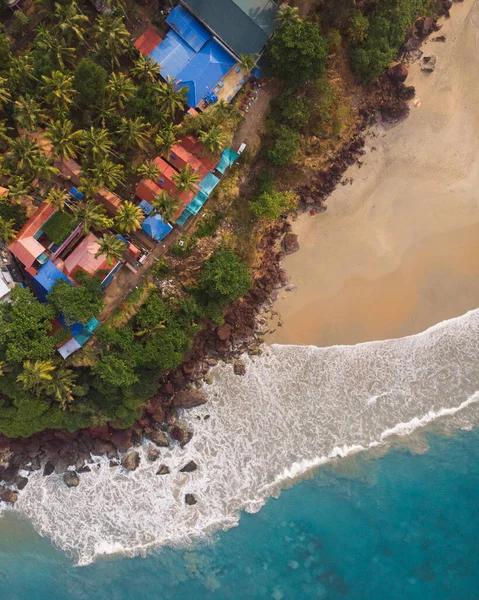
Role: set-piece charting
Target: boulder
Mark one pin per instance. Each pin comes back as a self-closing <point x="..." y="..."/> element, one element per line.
<point x="426" y="26"/>
<point x="167" y="389"/>
<point x="84" y="469"/>
<point x="190" y="499"/>
<point x="439" y="38"/>
<point x="189" y="368"/>
<point x="428" y="63"/>
<point x="71" y="479"/>
<point x="160" y="438"/>
<point x="131" y="461"/>
<point x="290" y="243"/>
<point x="407" y="92"/>
<point x="223" y="346"/>
<point x="398" y="73"/>
<point x="239" y="367"/>
<point x="48" y="469"/>
<point x="189" y="467"/>
<point x="394" y="111"/>
<point x="121" y="438"/>
<point x="101" y="447"/>
<point x="189" y="399"/>
<point x="180" y="434"/>
<point x="153" y="454"/>
<point x="9" y="475"/>
<point x="223" y="332"/>
<point x="7" y="495"/>
<point x="21" y="483"/>
<point x="163" y="470"/>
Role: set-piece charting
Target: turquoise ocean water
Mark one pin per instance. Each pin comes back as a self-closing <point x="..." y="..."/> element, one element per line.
<point x="404" y="526"/>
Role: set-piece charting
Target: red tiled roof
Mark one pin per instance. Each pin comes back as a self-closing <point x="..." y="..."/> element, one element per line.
<point x="193" y="145"/>
<point x="180" y="158"/>
<point x="110" y="201"/>
<point x="26" y="250"/>
<point x="148" y="41"/>
<point x="148" y="190"/>
<point x="70" y="169"/>
<point x="39" y="218"/>
<point x="83" y="258"/>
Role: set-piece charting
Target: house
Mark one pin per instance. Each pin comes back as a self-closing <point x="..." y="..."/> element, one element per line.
<point x="83" y="258"/>
<point x="148" y="190"/>
<point x="244" y="26"/>
<point x="180" y="158"/>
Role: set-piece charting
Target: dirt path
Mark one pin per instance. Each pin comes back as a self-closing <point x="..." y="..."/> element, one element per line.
<point x="252" y="125"/>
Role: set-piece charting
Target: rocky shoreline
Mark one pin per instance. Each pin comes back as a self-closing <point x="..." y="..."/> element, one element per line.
<point x="70" y="454"/>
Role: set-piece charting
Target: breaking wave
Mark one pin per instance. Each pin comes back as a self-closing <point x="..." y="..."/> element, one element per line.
<point x="296" y="407"/>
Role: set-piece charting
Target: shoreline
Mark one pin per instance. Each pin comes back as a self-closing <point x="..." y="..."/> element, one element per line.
<point x="242" y="332"/>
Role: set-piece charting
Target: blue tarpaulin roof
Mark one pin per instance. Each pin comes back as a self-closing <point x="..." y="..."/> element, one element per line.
<point x="146" y="207"/>
<point x="44" y="280"/>
<point x="208" y="183"/>
<point x="189" y="28"/>
<point x="173" y="54"/>
<point x="156" y="228"/>
<point x="87" y="331"/>
<point x="227" y="159"/>
<point x="204" y="70"/>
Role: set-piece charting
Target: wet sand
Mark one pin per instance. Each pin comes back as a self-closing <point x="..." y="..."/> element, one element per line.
<point x="398" y="250"/>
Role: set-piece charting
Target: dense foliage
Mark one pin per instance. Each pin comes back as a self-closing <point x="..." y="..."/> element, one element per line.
<point x="77" y="304"/>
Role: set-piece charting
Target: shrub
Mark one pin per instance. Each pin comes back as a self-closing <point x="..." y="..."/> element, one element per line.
<point x="335" y="41"/>
<point x="90" y="83"/>
<point x="224" y="277"/>
<point x="77" y="304"/>
<point x="59" y="226"/>
<point x="292" y="109"/>
<point x="272" y="205"/>
<point x="20" y="23"/>
<point x="358" y="28"/>
<point x="285" y="146"/>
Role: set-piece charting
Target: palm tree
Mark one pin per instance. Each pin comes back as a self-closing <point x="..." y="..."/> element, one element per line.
<point x="287" y="15"/>
<point x="112" y="247"/>
<point x="129" y="217"/>
<point x="69" y="20"/>
<point x="106" y="173"/>
<point x="58" y="90"/>
<point x="171" y="99"/>
<point x="5" y="95"/>
<point x="56" y="197"/>
<point x="60" y="386"/>
<point x="22" y="70"/>
<point x="148" y="170"/>
<point x="7" y="230"/>
<point x="120" y="89"/>
<point x="165" y="205"/>
<point x="28" y="113"/>
<point x="133" y="132"/>
<point x="4" y="135"/>
<point x="186" y="180"/>
<point x="214" y="139"/>
<point x="35" y="374"/>
<point x="112" y="38"/>
<point x="105" y="113"/>
<point x="26" y="153"/>
<point x="165" y="139"/>
<point x="45" y="169"/>
<point x="248" y="61"/>
<point x="91" y="215"/>
<point x="54" y="47"/>
<point x="64" y="139"/>
<point x="145" y="69"/>
<point x="19" y="191"/>
<point x="96" y="142"/>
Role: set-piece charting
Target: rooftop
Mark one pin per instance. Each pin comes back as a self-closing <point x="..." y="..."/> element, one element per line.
<point x="83" y="258"/>
<point x="148" y="41"/>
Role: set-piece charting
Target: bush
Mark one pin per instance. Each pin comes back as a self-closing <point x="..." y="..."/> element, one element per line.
<point x="224" y="277"/>
<point x="77" y="304"/>
<point x="5" y="53"/>
<point x="90" y="83"/>
<point x="292" y="109"/>
<point x="297" y="53"/>
<point x="285" y="146"/>
<point x="335" y="41"/>
<point x="20" y="23"/>
<point x="272" y="205"/>
<point x="59" y="226"/>
<point x="358" y="28"/>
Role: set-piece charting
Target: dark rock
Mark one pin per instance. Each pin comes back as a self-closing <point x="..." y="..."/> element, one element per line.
<point x="7" y="495"/>
<point x="223" y="346"/>
<point x="394" y="110"/>
<point x="398" y="73"/>
<point x="102" y="447"/>
<point x="163" y="470"/>
<point x="160" y="438"/>
<point x="189" y="399"/>
<point x="439" y="38"/>
<point x="21" y="483"/>
<point x="190" y="499"/>
<point x="426" y="26"/>
<point x="189" y="467"/>
<point x="84" y="469"/>
<point x="223" y="332"/>
<point x="167" y="389"/>
<point x="9" y="475"/>
<point x="71" y="479"/>
<point x="239" y="367"/>
<point x="290" y="243"/>
<point x="428" y="63"/>
<point x="153" y="454"/>
<point x="407" y="92"/>
<point x="188" y="368"/>
<point x="180" y="434"/>
<point x="48" y="469"/>
<point x="131" y="461"/>
<point x="121" y="438"/>
<point x="114" y="463"/>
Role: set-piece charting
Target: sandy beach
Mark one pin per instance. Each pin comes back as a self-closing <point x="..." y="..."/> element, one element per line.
<point x="398" y="250"/>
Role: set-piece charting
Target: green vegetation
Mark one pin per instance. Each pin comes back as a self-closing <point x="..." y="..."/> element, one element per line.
<point x="77" y="304"/>
<point x="59" y="226"/>
<point x="377" y="38"/>
<point x="224" y="277"/>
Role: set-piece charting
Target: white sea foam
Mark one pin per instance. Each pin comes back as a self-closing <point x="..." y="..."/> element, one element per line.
<point x="295" y="408"/>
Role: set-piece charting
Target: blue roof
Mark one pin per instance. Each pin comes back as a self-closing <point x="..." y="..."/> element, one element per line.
<point x="204" y="70"/>
<point x="146" y="207"/>
<point x="227" y="159"/>
<point x="208" y="183"/>
<point x="156" y="228"/>
<point x="188" y="28"/>
<point x="173" y="54"/>
<point x="46" y="277"/>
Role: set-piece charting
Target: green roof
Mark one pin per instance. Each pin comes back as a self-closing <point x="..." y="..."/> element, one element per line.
<point x="243" y="25"/>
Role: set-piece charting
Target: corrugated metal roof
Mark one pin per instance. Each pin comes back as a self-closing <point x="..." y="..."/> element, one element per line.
<point x="243" y="25"/>
<point x="148" y="41"/>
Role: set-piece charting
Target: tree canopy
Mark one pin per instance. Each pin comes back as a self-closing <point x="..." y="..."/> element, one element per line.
<point x="224" y="277"/>
<point x="77" y="304"/>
